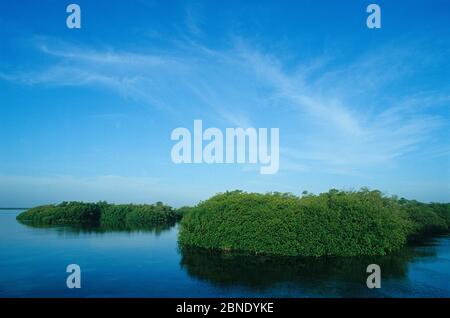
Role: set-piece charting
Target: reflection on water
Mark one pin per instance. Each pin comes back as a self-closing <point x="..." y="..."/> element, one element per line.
<point x="124" y="262"/>
<point x="238" y="269"/>
<point x="331" y="277"/>
<point x="96" y="229"/>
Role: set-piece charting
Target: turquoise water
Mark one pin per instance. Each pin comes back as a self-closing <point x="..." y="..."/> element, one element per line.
<point x="150" y="264"/>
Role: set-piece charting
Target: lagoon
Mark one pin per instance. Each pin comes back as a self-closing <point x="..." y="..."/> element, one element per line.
<point x="33" y="263"/>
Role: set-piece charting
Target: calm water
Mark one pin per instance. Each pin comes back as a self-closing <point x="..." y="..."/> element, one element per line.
<point x="150" y="264"/>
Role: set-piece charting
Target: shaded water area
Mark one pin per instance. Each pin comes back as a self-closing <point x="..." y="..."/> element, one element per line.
<point x="119" y="263"/>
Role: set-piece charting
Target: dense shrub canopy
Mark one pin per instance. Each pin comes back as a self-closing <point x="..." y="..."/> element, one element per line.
<point x="427" y="219"/>
<point x="333" y="223"/>
<point x="123" y="216"/>
<point x="443" y="211"/>
<point x="137" y="216"/>
<point x="63" y="213"/>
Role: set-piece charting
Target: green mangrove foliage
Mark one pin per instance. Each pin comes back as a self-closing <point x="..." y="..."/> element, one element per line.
<point x="336" y="223"/>
<point x="63" y="213"/>
<point x="138" y="216"/>
<point x="427" y="219"/>
<point x="123" y="216"/>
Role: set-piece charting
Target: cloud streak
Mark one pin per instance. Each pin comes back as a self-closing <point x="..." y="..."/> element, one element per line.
<point x="337" y="126"/>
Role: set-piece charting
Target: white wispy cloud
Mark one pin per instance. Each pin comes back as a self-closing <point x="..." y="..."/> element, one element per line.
<point x="344" y="114"/>
<point x="344" y="133"/>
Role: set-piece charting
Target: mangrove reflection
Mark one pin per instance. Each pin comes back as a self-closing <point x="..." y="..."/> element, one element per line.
<point x="80" y="229"/>
<point x="263" y="272"/>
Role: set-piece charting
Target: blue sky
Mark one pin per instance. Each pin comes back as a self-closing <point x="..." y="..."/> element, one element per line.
<point x="87" y="114"/>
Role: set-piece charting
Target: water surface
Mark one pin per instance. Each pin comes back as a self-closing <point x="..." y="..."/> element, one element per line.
<point x="151" y="264"/>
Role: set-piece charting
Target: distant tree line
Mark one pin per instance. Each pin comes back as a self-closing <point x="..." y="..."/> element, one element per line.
<point x="335" y="223"/>
<point x="102" y="214"/>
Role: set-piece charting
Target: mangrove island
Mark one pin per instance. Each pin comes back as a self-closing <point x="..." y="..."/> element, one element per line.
<point x="334" y="223"/>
